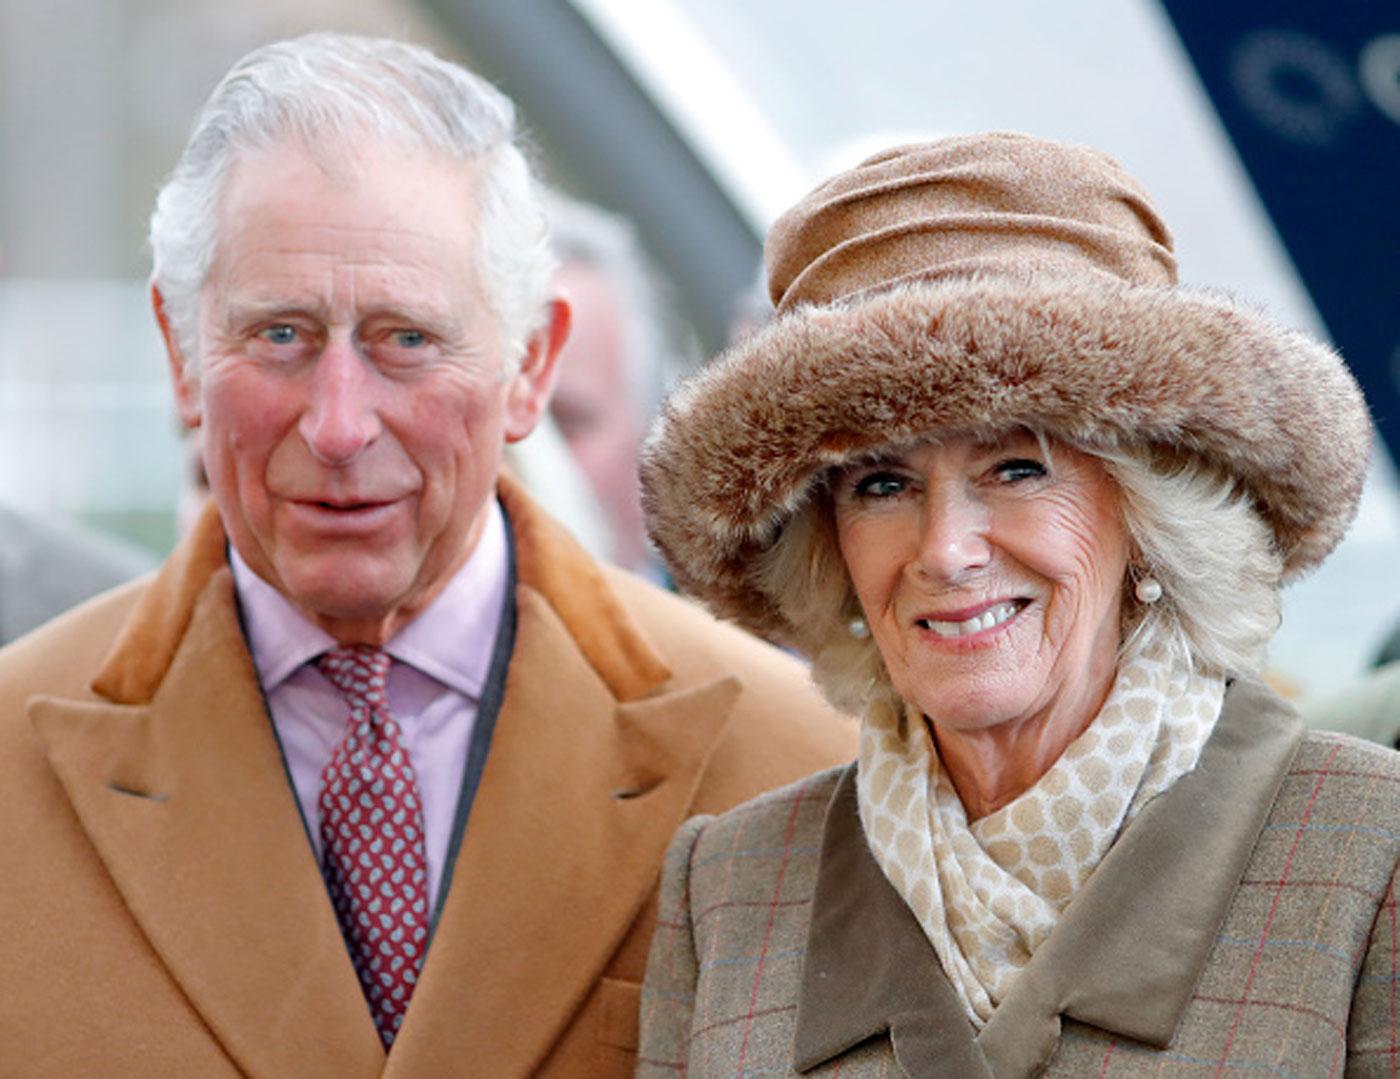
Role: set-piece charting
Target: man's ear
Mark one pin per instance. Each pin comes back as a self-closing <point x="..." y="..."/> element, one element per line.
<point x="531" y="386"/>
<point x="183" y="377"/>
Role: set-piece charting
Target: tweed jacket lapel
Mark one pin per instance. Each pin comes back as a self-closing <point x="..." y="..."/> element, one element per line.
<point x="593" y="766"/>
<point x="173" y="770"/>
<point x="1125" y="956"/>
<point x="869" y="969"/>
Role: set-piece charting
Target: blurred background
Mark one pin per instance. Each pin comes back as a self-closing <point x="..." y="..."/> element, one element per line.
<point x="1269" y="135"/>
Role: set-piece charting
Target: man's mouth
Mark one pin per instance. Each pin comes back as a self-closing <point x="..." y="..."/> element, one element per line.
<point x="337" y="514"/>
<point x="989" y="618"/>
<point x="348" y="507"/>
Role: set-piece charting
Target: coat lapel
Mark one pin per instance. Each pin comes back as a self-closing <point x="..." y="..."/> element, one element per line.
<point x="1125" y="957"/>
<point x="594" y="764"/>
<point x="174" y="771"/>
<point x="177" y="779"/>
<point x="869" y="969"/>
<point x="1128" y="951"/>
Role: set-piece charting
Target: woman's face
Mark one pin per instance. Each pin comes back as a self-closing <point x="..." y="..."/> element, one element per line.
<point x="991" y="576"/>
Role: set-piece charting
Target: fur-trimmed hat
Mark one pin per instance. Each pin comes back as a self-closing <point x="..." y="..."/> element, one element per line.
<point x="972" y="285"/>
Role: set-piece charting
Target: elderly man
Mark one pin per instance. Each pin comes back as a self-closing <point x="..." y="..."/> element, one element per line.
<point x="376" y="774"/>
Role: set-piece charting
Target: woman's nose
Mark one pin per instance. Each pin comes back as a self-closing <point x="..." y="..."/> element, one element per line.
<point x="954" y="538"/>
<point x="341" y="416"/>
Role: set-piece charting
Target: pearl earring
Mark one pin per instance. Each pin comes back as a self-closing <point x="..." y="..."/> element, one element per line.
<point x="858" y="629"/>
<point x="1148" y="590"/>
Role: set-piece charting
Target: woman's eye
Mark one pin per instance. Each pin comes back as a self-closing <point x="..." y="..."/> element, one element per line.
<point x="1020" y="468"/>
<point x="879" y="485"/>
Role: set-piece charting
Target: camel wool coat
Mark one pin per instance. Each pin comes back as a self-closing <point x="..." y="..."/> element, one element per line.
<point x="1244" y="924"/>
<point x="163" y="911"/>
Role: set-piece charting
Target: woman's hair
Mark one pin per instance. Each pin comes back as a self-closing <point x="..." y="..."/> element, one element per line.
<point x="325" y="91"/>
<point x="1195" y="530"/>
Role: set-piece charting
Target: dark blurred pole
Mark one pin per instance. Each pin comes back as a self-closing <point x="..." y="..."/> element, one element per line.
<point x="1310" y="94"/>
<point x="589" y="109"/>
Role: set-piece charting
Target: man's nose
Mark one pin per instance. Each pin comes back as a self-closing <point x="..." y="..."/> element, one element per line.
<point x="954" y="536"/>
<point x="341" y="417"/>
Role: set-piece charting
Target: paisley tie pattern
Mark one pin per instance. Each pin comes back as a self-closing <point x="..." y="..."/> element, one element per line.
<point x="373" y="850"/>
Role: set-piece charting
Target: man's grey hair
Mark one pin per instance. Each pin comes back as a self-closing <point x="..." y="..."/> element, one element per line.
<point x="327" y="91"/>
<point x="1196" y="532"/>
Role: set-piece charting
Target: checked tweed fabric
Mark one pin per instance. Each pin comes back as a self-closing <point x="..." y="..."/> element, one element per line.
<point x="1302" y="981"/>
<point x="374" y="858"/>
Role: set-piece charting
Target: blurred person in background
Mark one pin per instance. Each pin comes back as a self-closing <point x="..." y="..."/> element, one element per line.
<point x="1389" y="651"/>
<point x="379" y="767"/>
<point x="46" y="567"/>
<point x="1368" y="707"/>
<point x="611" y="368"/>
<point x="546" y="468"/>
<point x="1028" y="505"/>
<point x="752" y="309"/>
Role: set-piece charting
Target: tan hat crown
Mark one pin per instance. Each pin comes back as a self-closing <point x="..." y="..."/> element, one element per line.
<point x="998" y="205"/>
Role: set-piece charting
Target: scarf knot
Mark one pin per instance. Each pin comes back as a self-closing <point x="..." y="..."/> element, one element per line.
<point x="988" y="893"/>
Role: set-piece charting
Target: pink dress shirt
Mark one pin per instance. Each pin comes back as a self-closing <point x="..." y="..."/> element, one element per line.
<point x="441" y="660"/>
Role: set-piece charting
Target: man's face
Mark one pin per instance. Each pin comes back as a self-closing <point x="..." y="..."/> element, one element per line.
<point x="351" y="390"/>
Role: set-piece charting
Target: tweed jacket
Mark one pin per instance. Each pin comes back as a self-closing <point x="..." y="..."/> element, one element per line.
<point x="1244" y="923"/>
<point x="163" y="911"/>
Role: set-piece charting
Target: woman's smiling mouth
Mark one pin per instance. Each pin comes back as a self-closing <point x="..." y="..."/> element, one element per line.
<point x="990" y="617"/>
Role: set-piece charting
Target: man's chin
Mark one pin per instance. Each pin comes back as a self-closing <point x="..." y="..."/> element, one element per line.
<point x="350" y="595"/>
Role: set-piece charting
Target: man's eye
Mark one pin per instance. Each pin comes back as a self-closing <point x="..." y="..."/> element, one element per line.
<point x="879" y="485"/>
<point x="1020" y="468"/>
<point x="281" y="334"/>
<point x="409" y="338"/>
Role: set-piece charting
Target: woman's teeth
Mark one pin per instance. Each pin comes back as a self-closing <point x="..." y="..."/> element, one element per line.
<point x="992" y="616"/>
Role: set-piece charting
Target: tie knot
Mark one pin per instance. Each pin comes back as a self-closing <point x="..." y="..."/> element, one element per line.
<point x="358" y="671"/>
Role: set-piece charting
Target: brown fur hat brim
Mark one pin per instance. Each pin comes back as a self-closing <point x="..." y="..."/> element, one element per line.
<point x="738" y="448"/>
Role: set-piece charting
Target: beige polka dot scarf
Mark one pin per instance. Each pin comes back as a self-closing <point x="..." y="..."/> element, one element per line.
<point x="988" y="894"/>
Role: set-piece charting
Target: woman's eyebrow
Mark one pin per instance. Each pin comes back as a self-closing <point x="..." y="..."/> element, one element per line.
<point x="882" y="460"/>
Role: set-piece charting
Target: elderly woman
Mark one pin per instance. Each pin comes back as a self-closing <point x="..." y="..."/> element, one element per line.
<point x="1028" y="506"/>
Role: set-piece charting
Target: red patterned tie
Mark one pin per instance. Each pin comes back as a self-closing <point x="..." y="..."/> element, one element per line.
<point x="373" y="853"/>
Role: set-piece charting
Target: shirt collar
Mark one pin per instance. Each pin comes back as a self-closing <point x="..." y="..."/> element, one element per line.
<point x="450" y="641"/>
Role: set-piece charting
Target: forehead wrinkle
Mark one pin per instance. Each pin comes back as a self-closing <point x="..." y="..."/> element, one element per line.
<point x="397" y="249"/>
<point x="277" y="223"/>
<point x="400" y="304"/>
<point x="396" y="295"/>
<point x="247" y="276"/>
<point x="254" y="309"/>
<point x="388" y="252"/>
<point x="351" y="272"/>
